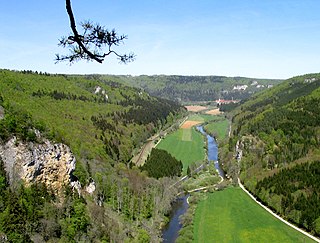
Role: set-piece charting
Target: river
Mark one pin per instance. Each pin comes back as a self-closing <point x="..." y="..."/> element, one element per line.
<point x="171" y="232"/>
<point x="212" y="150"/>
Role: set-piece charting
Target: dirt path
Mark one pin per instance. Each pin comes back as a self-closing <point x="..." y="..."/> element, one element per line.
<point x="277" y="216"/>
<point x="145" y="150"/>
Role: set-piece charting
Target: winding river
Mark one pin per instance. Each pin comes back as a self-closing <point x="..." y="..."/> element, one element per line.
<point x="212" y="150"/>
<point x="171" y="232"/>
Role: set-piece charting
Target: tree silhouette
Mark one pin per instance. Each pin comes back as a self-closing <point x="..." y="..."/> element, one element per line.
<point x="94" y="44"/>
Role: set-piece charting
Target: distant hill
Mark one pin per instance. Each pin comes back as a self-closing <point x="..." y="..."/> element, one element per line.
<point x="276" y="134"/>
<point x="196" y="88"/>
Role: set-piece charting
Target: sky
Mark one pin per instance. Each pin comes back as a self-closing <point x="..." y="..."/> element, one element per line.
<point x="249" y="38"/>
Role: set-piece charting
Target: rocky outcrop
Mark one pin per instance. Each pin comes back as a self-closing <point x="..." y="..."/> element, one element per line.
<point x="91" y="187"/>
<point x="48" y="163"/>
<point x="99" y="90"/>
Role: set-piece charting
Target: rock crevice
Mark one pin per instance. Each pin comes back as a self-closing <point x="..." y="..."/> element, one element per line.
<point x="48" y="163"/>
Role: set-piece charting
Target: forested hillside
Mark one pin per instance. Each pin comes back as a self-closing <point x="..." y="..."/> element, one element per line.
<point x="276" y="135"/>
<point x="195" y="88"/>
<point x="102" y="124"/>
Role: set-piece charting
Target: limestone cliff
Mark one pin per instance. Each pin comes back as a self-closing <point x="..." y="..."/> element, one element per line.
<point x="51" y="164"/>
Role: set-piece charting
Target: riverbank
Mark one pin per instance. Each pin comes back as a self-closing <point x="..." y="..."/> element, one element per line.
<point x="206" y="180"/>
<point x="171" y="231"/>
<point x="190" y="142"/>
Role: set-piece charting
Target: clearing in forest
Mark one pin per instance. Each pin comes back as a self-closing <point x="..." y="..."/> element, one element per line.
<point x="232" y="216"/>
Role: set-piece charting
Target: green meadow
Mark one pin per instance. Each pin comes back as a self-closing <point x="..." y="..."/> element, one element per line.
<point x="232" y="216"/>
<point x="186" y="145"/>
<point x="219" y="127"/>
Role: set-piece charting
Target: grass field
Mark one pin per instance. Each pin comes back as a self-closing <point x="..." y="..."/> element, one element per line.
<point x="219" y="127"/>
<point x="186" y="145"/>
<point x="231" y="216"/>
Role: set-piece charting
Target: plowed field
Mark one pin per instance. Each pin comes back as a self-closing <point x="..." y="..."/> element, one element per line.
<point x="189" y="124"/>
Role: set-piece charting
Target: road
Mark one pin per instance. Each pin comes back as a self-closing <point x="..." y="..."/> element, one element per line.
<point x="275" y="215"/>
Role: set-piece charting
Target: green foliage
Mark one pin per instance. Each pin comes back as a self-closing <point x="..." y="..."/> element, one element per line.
<point x="188" y="171"/>
<point x="317" y="226"/>
<point x="102" y="123"/>
<point x="207" y="177"/>
<point x="17" y="123"/>
<point x="283" y="123"/>
<point x="12" y="220"/>
<point x="97" y="120"/>
<point x="1" y="100"/>
<point x="228" y="107"/>
<point x="298" y="191"/>
<point x="280" y="128"/>
<point x="76" y="221"/>
<point x="195" y="88"/>
<point x="21" y="211"/>
<point x="218" y="127"/>
<point x="81" y="173"/>
<point x="3" y="187"/>
<point x="161" y="164"/>
<point x="143" y="236"/>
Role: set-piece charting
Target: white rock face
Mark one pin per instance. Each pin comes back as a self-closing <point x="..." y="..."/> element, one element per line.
<point x="91" y="187"/>
<point x="97" y="90"/>
<point x="51" y="164"/>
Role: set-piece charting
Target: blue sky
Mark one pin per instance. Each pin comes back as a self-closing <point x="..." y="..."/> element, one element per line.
<point x="252" y="38"/>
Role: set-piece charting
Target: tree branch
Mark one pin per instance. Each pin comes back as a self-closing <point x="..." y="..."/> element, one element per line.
<point x="89" y="45"/>
<point x="76" y="34"/>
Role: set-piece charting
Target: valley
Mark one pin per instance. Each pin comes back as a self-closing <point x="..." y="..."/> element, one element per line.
<point x="154" y="121"/>
<point x="223" y="215"/>
<point x="113" y="131"/>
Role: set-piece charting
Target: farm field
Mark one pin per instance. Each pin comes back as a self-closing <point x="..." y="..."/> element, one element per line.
<point x="201" y="117"/>
<point x="219" y="128"/>
<point x="186" y="145"/>
<point x="213" y="112"/>
<point x="232" y="216"/>
<point x="195" y="108"/>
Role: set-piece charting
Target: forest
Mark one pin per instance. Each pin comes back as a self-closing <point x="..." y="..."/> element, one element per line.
<point x="162" y="164"/>
<point x="295" y="193"/>
<point x="194" y="88"/>
<point x="103" y="134"/>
